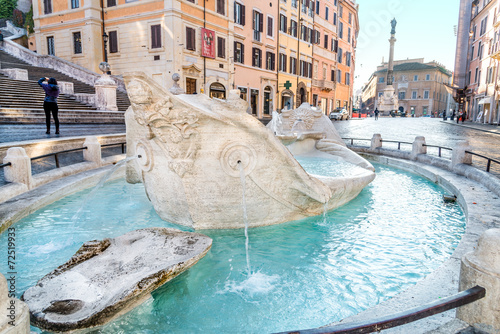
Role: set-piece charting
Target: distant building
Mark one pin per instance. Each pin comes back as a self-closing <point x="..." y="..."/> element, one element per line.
<point x="476" y="77"/>
<point x="420" y="87"/>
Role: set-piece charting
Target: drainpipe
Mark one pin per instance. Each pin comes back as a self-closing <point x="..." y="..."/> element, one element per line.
<point x="299" y="30"/>
<point x="103" y="30"/>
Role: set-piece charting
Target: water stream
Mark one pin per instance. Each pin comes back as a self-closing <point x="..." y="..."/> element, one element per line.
<point x="245" y="216"/>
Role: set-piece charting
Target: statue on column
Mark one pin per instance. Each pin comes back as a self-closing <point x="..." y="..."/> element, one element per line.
<point x="393" y="25"/>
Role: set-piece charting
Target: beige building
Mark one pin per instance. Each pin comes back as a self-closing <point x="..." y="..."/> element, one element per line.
<point x="420" y="87"/>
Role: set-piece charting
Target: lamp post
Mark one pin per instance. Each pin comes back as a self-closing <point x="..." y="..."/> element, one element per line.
<point x="105" y="38"/>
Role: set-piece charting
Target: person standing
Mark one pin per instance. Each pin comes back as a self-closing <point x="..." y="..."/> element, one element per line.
<point x="464" y="116"/>
<point x="459" y="116"/>
<point x="50" y="102"/>
<point x="376" y="113"/>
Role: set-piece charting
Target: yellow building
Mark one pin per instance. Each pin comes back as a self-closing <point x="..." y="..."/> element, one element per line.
<point x="158" y="37"/>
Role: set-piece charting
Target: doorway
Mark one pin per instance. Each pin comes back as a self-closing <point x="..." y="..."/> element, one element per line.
<point x="190" y="86"/>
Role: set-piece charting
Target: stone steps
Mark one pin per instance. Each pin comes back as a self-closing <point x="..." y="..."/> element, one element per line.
<point x="37" y="116"/>
<point x="14" y="89"/>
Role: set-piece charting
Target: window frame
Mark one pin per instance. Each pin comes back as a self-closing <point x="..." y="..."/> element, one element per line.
<point x="77" y="43"/>
<point x="190" y="32"/>
<point x="156" y="36"/>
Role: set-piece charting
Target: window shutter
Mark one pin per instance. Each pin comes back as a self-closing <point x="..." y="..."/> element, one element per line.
<point x="242" y="53"/>
<point x="254" y="58"/>
<point x="242" y="15"/>
<point x="223" y="54"/>
<point x="270" y="26"/>
<point x="113" y="42"/>
<point x="286" y="21"/>
<point x="260" y="58"/>
<point x="254" y="18"/>
<point x="219" y="47"/>
<point x="235" y="51"/>
<point x="284" y="63"/>
<point x="273" y="61"/>
<point x="261" y="22"/>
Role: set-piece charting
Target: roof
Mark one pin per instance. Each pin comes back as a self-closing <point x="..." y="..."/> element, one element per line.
<point x="414" y="67"/>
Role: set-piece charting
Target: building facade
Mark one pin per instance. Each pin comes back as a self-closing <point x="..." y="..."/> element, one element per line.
<point x="279" y="53"/>
<point x="477" y="60"/>
<point x="420" y="87"/>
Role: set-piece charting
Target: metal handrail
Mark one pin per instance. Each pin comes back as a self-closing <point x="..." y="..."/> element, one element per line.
<point x="439" y="148"/>
<point x="116" y="144"/>
<point x="488" y="164"/>
<point x="405" y="317"/>
<point x="5" y="165"/>
<point x="59" y="152"/>
<point x="395" y="141"/>
<point x="353" y="139"/>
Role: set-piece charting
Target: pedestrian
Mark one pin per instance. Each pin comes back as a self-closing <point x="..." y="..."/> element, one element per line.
<point x="459" y="116"/>
<point x="444" y="115"/>
<point x="50" y="102"/>
<point x="453" y="115"/>
<point x="376" y="113"/>
<point x="464" y="116"/>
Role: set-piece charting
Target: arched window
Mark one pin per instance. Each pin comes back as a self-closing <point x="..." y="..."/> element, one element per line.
<point x="217" y="90"/>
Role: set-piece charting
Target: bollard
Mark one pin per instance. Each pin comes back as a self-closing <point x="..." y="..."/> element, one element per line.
<point x="376" y="141"/>
<point x="93" y="151"/>
<point x="418" y="147"/>
<point x="482" y="267"/>
<point x="458" y="155"/>
<point x="20" y="169"/>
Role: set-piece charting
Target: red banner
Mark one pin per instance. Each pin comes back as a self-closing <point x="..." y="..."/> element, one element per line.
<point x="207" y="43"/>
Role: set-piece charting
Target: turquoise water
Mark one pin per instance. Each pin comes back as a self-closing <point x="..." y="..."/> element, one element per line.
<point x="304" y="273"/>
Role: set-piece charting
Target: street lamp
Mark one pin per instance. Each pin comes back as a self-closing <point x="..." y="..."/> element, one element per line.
<point x="105" y="39"/>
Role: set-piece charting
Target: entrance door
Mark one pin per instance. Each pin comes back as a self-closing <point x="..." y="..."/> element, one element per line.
<point x="267" y="100"/>
<point x="190" y="86"/>
<point x="302" y="94"/>
<point x="254" y="100"/>
<point x="217" y="90"/>
<point x="286" y="101"/>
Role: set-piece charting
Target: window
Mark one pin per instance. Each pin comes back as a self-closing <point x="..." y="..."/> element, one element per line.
<point x="414" y="95"/>
<point x="332" y="75"/>
<point x="427" y="77"/>
<point x="426" y="94"/>
<point x="257" y="25"/>
<point x="256" y="57"/>
<point x="303" y="6"/>
<point x="479" y="49"/>
<point x="334" y="18"/>
<point x="294" y="3"/>
<point x="243" y="93"/>
<point x="472" y="53"/>
<point x="155" y="36"/>
<point x="239" y="13"/>
<point x="348" y="35"/>
<point x="348" y="78"/>
<point x="111" y="3"/>
<point x="381" y="79"/>
<point x="317" y="7"/>
<point x="270" y="61"/>
<point x="190" y="39"/>
<point x="293" y="65"/>
<point x="270" y="26"/>
<point x="326" y="13"/>
<point x="489" y="77"/>
<point x="282" y="64"/>
<point x="221" y="7"/>
<point x="415" y="78"/>
<point x="283" y="21"/>
<point x="339" y="56"/>
<point x="239" y="52"/>
<point x="350" y="18"/>
<point x="479" y="78"/>
<point x="482" y="30"/>
<point x="75" y="4"/>
<point x="335" y="45"/>
<point x="293" y="28"/>
<point x="475" y="76"/>
<point x="221" y="47"/>
<point x="113" y="41"/>
<point x="77" y="42"/>
<point x="348" y="59"/>
<point x="401" y="95"/>
<point x="341" y="30"/>
<point x="339" y="76"/>
<point x="380" y="94"/>
<point x="50" y="46"/>
<point x="340" y="11"/>
<point x="47" y="6"/>
<point x="326" y="42"/>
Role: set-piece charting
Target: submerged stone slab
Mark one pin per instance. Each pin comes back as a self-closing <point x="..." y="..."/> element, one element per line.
<point x="106" y="278"/>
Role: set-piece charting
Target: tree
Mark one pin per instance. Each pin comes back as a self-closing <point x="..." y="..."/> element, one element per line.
<point x="29" y="24"/>
<point x="7" y="8"/>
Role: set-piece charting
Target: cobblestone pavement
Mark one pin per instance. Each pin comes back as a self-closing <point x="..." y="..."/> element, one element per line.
<point x="22" y="132"/>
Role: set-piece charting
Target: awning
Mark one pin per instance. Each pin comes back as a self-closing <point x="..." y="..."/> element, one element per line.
<point x="486" y="100"/>
<point x="450" y="89"/>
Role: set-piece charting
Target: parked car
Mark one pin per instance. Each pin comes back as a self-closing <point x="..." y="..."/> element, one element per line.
<point x="339" y="115"/>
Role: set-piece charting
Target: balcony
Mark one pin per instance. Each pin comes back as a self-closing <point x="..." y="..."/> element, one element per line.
<point x="325" y="85"/>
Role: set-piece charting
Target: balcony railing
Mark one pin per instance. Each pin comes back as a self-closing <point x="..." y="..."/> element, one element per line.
<point x="324" y="84"/>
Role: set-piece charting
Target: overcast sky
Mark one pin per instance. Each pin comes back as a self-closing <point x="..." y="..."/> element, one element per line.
<point x="425" y="29"/>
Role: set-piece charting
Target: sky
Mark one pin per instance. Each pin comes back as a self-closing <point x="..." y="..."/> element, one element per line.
<point x="425" y="29"/>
